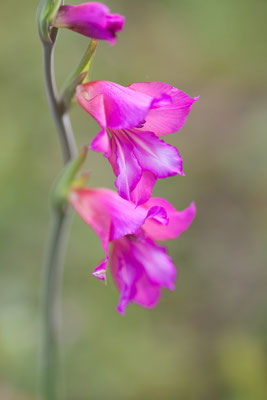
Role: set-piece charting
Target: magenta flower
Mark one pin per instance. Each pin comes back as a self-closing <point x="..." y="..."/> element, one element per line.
<point x="140" y="267"/>
<point x="131" y="119"/>
<point x="90" y="19"/>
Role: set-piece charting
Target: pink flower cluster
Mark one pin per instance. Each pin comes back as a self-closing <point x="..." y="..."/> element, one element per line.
<point x="139" y="266"/>
<point x="132" y="119"/>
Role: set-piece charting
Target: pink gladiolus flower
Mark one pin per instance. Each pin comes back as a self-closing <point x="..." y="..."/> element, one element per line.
<point x="132" y="119"/>
<point x="140" y="267"/>
<point x="90" y="19"/>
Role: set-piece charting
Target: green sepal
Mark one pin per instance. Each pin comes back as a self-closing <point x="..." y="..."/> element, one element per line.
<point x="68" y="179"/>
<point x="80" y="74"/>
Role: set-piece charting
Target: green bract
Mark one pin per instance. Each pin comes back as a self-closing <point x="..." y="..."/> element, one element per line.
<point x="45" y="13"/>
<point x="79" y="75"/>
<point x="67" y="179"/>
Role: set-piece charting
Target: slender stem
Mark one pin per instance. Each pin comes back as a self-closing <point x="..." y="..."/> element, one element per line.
<point x="57" y="240"/>
<point x="51" y="306"/>
<point x="61" y="118"/>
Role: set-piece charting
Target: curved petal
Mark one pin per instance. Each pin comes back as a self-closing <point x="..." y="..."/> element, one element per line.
<point x="113" y="105"/>
<point x="157" y="90"/>
<point x="101" y="143"/>
<point x="110" y="216"/>
<point x="140" y="268"/>
<point x="166" y="118"/>
<point x="159" y="214"/>
<point x="179" y="221"/>
<point x="137" y="159"/>
<point x="125" y="272"/>
<point x="100" y="271"/>
<point x="90" y="19"/>
<point x="155" y="261"/>
<point x="154" y="155"/>
<point x="143" y="190"/>
<point x="125" y="167"/>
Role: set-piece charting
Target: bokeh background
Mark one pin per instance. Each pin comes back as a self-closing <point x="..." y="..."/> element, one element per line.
<point x="208" y="339"/>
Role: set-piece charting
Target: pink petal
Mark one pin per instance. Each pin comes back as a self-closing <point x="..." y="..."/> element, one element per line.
<point x="179" y="221"/>
<point x="157" y="89"/>
<point x="100" y="271"/>
<point x="101" y="143"/>
<point x="140" y="268"/>
<point x="137" y="279"/>
<point x="147" y="292"/>
<point x="154" y="155"/>
<point x="155" y="261"/>
<point x="143" y="190"/>
<point x="90" y="19"/>
<point x="132" y="183"/>
<point x="112" y="105"/>
<point x="158" y="214"/>
<point x="167" y="118"/>
<point x="87" y="203"/>
<point x="125" y="273"/>
<point x="138" y="159"/>
<point x="125" y="166"/>
<point x="110" y="216"/>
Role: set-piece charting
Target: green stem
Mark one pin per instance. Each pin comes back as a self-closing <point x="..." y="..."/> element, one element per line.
<point x="57" y="240"/>
<point x="61" y="117"/>
<point x="51" y="306"/>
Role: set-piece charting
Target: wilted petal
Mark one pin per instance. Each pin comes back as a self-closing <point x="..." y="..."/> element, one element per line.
<point x="179" y="221"/>
<point x="90" y="19"/>
<point x="167" y="118"/>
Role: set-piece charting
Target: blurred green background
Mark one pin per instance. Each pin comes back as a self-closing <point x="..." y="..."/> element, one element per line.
<point x="208" y="339"/>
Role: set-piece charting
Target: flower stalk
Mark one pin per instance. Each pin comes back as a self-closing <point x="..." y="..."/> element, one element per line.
<point x="59" y="113"/>
<point x="58" y="235"/>
<point x="51" y="305"/>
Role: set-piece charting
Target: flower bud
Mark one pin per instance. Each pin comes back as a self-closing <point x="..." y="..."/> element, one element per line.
<point x="90" y="19"/>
